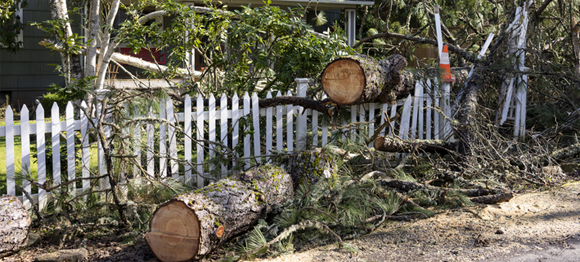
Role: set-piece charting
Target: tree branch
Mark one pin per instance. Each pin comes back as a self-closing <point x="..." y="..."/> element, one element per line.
<point x="468" y="56"/>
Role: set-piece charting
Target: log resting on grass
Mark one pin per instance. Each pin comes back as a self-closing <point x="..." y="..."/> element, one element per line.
<point x="391" y="144"/>
<point x="191" y="225"/>
<point x="14" y="225"/>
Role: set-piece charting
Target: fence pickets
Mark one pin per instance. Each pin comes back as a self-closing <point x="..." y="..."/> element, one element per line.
<point x="286" y="128"/>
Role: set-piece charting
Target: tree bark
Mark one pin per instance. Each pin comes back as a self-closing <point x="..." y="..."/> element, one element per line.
<point x="360" y="79"/>
<point x="71" y="64"/>
<point x="14" y="224"/>
<point x="389" y="144"/>
<point x="305" y="102"/>
<point x="482" y="195"/>
<point x="193" y="224"/>
<point x="407" y="80"/>
<point x="418" y="40"/>
<point x="107" y="46"/>
<point x="92" y="39"/>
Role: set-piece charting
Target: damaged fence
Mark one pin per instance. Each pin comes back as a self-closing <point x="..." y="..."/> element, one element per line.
<point x="182" y="144"/>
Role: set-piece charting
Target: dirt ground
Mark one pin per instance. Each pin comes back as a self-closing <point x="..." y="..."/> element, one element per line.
<point x="542" y="226"/>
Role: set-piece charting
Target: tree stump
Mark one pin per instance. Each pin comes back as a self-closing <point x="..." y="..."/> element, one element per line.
<point x="191" y="225"/>
<point x="14" y="224"/>
<point x="360" y="79"/>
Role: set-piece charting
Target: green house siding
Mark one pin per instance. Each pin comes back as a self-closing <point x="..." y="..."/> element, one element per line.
<point x="26" y="74"/>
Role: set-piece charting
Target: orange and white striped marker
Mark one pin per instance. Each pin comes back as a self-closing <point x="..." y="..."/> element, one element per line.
<point x="445" y="66"/>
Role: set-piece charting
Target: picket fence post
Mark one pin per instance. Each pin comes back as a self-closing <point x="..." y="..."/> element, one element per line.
<point x="172" y="139"/>
<point x="187" y="117"/>
<point x="279" y="129"/>
<point x="200" y="144"/>
<point x="224" y="127"/>
<point x="86" y="169"/>
<point x="101" y="93"/>
<point x="269" y="124"/>
<point x="162" y="139"/>
<point x="150" y="147"/>
<point x="246" y="136"/>
<point x="235" y="122"/>
<point x="55" y="138"/>
<point x="301" y="130"/>
<point x="70" y="146"/>
<point x="137" y="145"/>
<point x="256" y="124"/>
<point x="10" y="176"/>
<point x="25" y="152"/>
<point x="324" y="129"/>
<point x="41" y="154"/>
<point x="289" y="126"/>
<point x="211" y="130"/>
<point x="429" y="116"/>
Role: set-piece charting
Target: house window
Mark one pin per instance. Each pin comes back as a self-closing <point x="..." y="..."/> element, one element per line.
<point x="153" y="54"/>
<point x="11" y="35"/>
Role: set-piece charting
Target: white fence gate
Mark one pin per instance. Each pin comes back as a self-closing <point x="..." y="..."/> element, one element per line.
<point x="287" y="128"/>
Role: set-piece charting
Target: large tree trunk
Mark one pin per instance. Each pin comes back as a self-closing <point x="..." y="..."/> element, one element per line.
<point x="360" y="79"/>
<point x="357" y="80"/>
<point x="193" y="224"/>
<point x="14" y="224"/>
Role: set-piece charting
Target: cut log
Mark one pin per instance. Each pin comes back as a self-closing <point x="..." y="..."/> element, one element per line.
<point x="14" y="224"/>
<point x="356" y="80"/>
<point x="390" y="144"/>
<point x="191" y="225"/>
<point x="360" y="79"/>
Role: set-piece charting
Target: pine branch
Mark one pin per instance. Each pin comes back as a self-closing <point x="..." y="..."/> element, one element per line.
<point x="288" y="231"/>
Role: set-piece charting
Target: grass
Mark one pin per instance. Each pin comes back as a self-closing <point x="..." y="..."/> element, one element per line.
<point x="33" y="171"/>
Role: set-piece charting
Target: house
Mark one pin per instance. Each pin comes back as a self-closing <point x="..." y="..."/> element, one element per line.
<point x="27" y="74"/>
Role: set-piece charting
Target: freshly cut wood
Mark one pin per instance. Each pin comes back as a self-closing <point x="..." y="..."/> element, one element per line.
<point x="391" y="144"/>
<point x="191" y="225"/>
<point x="14" y="224"/>
<point x="360" y="79"/>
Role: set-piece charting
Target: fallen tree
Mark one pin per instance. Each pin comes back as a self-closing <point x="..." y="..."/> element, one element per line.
<point x="14" y="225"/>
<point x="361" y="79"/>
<point x="477" y="195"/>
<point x="191" y="225"/>
<point x="395" y="144"/>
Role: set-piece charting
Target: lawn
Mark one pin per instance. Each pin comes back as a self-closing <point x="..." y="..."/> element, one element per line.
<point x="33" y="163"/>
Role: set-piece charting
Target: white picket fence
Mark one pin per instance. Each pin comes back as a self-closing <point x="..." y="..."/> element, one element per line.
<point x="286" y="128"/>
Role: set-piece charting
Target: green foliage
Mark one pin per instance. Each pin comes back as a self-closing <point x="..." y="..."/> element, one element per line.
<point x="264" y="45"/>
<point x="147" y="191"/>
<point x="10" y="24"/>
<point x="57" y="28"/>
<point x="62" y="94"/>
